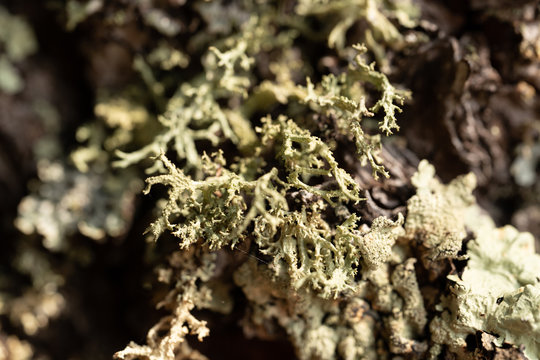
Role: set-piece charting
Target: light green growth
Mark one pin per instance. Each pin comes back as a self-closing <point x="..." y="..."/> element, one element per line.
<point x="313" y="256"/>
<point x="36" y="304"/>
<point x="79" y="11"/>
<point x="194" y="113"/>
<point x="229" y="62"/>
<point x="67" y="201"/>
<point x="517" y="319"/>
<point x="122" y="115"/>
<point x="324" y="259"/>
<point x="286" y="70"/>
<point x="217" y="206"/>
<point x="167" y="57"/>
<point x="18" y="42"/>
<point x="312" y="264"/>
<point x="11" y="81"/>
<point x="16" y="36"/>
<point x="257" y="34"/>
<point x="359" y="70"/>
<point x="305" y="156"/>
<point x="215" y="210"/>
<point x="167" y="339"/>
<point x="394" y="293"/>
<point x="346" y="327"/>
<point x="82" y="194"/>
<point x="318" y="328"/>
<point x="218" y="210"/>
<point x="377" y="242"/>
<point x="333" y="286"/>
<point x="528" y="154"/>
<point x="499" y="290"/>
<point x="406" y="285"/>
<point x="498" y="293"/>
<point x="409" y="317"/>
<point x="435" y="214"/>
<point x="344" y="13"/>
<point x="339" y="16"/>
<point x="341" y="97"/>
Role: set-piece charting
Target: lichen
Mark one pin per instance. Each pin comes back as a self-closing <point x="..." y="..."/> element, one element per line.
<point x="18" y="42"/>
<point x="215" y="210"/>
<point x="435" y="214"/>
<point x="305" y="156"/>
<point x="498" y="288"/>
<point x="82" y="193"/>
<point x="497" y="293"/>
<point x="166" y="340"/>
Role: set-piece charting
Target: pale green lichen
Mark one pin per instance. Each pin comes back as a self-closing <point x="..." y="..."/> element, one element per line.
<point x="435" y="214"/>
<point x="77" y="11"/>
<point x="334" y="286"/>
<point x="10" y="80"/>
<point x="339" y="17"/>
<point x="194" y="113"/>
<point x="345" y="327"/>
<point x="215" y="210"/>
<point x="377" y="242"/>
<point x="341" y="97"/>
<point x="410" y="318"/>
<point x="318" y="328"/>
<point x="121" y="114"/>
<point x="219" y="209"/>
<point x="305" y="156"/>
<point x="342" y="14"/>
<point x="38" y="302"/>
<point x="498" y="291"/>
<point x="18" y="42"/>
<point x="189" y="272"/>
<point x="68" y="201"/>
<point x="308" y="265"/>
<point x="16" y="36"/>
<point x="167" y="57"/>
<point x="82" y="194"/>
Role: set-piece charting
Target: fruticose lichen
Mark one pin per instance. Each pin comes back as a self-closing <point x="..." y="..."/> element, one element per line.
<point x="184" y="274"/>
